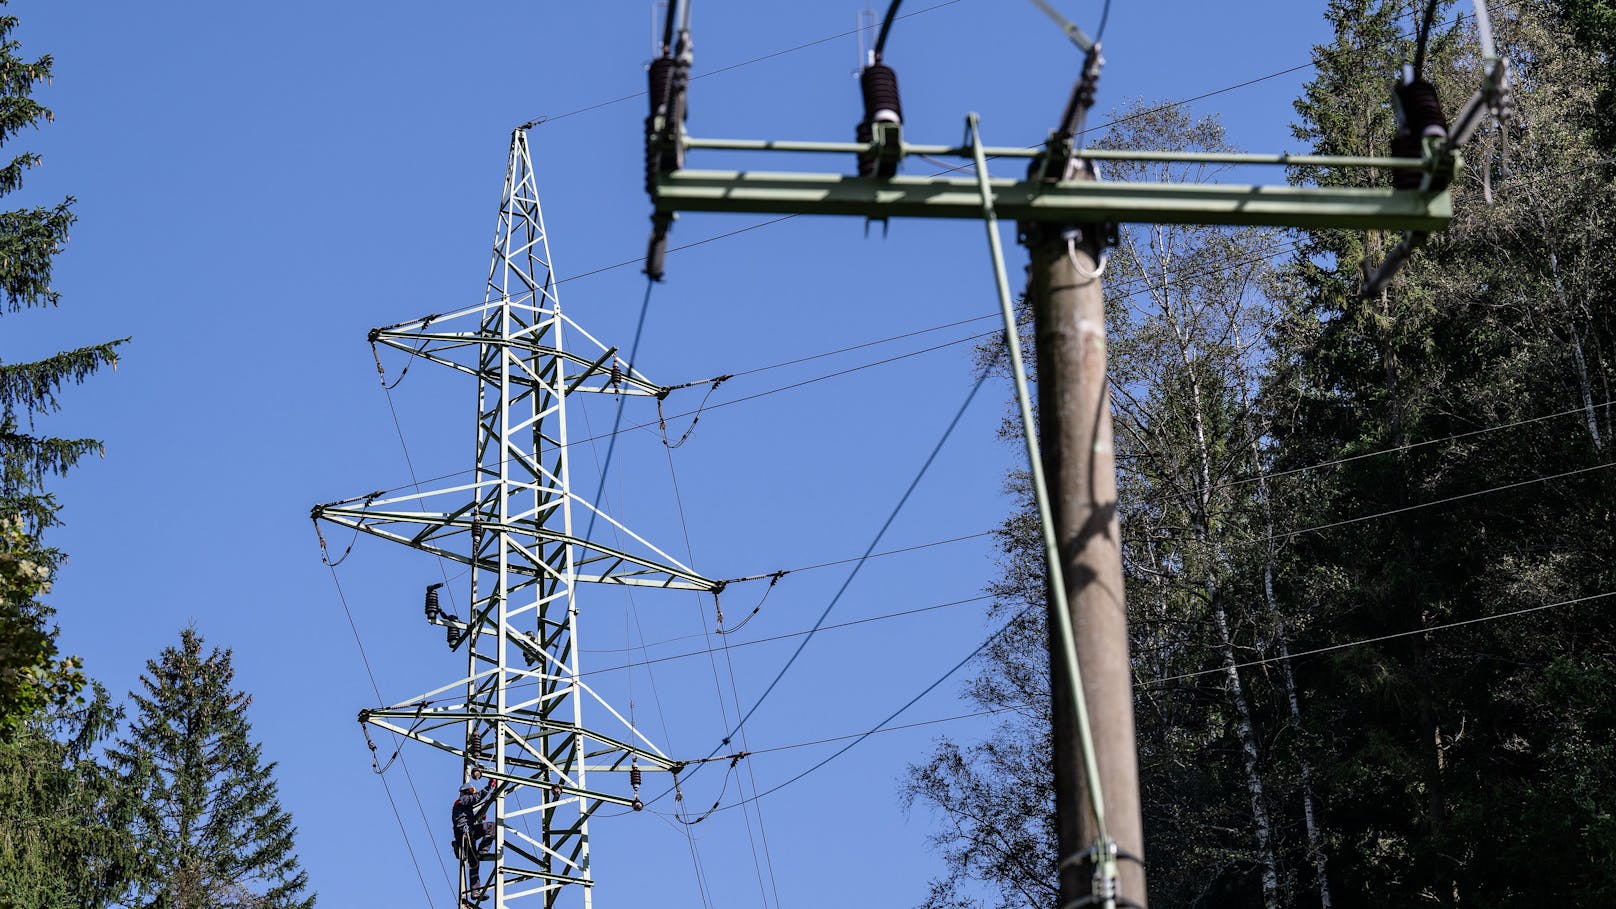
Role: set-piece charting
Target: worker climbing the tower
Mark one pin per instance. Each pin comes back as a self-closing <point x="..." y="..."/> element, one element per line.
<point x="473" y="833"/>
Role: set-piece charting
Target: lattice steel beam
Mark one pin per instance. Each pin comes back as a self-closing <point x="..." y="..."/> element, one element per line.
<point x="521" y="715"/>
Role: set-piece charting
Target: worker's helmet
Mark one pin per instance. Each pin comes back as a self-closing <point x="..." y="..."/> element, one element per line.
<point x="468" y="789"/>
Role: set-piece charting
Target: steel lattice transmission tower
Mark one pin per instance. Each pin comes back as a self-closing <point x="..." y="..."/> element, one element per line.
<point x="521" y="715"/>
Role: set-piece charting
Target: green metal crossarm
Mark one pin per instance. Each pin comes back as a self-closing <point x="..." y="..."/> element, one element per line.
<point x="1065" y="203"/>
<point x="1089" y="154"/>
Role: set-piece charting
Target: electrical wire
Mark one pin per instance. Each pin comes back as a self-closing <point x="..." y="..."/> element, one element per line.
<point x="886" y="616"/>
<point x="617" y="420"/>
<point x="995" y="711"/>
<point x="1423" y="35"/>
<point x="819" y="623"/>
<point x="1251" y="540"/>
<point x="1393" y="636"/>
<point x="735" y="693"/>
<point x="365" y="659"/>
<point x="886" y="27"/>
<point x="1417" y="506"/>
<point x="1279" y="249"/>
<point x="860" y="737"/>
<point x="551" y="118"/>
<point x="882" y="727"/>
<point x="1258" y="477"/>
<point x="1105" y="17"/>
<point x="876" y="541"/>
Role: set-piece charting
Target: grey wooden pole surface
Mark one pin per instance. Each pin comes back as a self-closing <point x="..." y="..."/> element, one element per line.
<point x="1075" y="424"/>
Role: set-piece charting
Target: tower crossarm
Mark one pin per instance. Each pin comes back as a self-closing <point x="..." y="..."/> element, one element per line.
<point x="451" y="536"/>
<point x="459" y="341"/>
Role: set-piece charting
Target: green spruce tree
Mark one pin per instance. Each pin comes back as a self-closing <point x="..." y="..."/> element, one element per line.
<point x="1463" y="739"/>
<point x="65" y="841"/>
<point x="31" y="675"/>
<point x="210" y="824"/>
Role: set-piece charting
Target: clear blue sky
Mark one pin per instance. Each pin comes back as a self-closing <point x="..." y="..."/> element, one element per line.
<point x="259" y="184"/>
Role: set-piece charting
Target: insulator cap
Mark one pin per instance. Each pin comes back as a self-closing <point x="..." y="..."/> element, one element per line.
<point x="638" y="805"/>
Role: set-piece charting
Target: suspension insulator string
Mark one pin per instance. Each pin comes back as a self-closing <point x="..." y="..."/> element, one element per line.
<point x="773" y="580"/>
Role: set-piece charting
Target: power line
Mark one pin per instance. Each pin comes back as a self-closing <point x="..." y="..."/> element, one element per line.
<point x="1388" y="637"/>
<point x="734" y="66"/>
<point x="860" y="737"/>
<point x="792" y="634"/>
<point x="882" y="727"/>
<point x="1407" y="508"/>
<point x="1279" y="249"/>
<point x="377" y="688"/>
<point x="1280" y="536"/>
<point x="1411" y="446"/>
<point x="886" y="525"/>
<point x="735" y="693"/>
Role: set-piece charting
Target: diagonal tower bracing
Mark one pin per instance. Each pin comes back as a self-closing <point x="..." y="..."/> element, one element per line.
<point x="521" y="715"/>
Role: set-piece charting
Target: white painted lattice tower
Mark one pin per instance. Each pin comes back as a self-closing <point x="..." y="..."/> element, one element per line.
<point x="521" y="715"/>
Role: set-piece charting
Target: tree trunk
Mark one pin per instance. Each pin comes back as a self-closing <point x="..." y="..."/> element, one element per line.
<point x="1248" y="753"/>
<point x="1577" y="356"/>
<point x="1315" y="842"/>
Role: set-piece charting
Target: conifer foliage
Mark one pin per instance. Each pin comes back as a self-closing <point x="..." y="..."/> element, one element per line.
<point x="210" y="822"/>
<point x="30" y="238"/>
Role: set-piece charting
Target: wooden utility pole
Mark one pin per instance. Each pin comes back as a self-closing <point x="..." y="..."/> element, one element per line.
<point x="1080" y="468"/>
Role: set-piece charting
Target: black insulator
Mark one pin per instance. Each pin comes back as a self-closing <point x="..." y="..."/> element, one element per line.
<point x="661" y="88"/>
<point x="432" y="610"/>
<point x="1422" y="109"/>
<point x="1422" y="118"/>
<point x="634" y="778"/>
<point x="866" y="159"/>
<point x="880" y="85"/>
<point x="1406" y="144"/>
<point x="454" y="634"/>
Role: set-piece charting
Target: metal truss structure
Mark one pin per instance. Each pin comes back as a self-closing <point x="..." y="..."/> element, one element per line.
<point x="521" y="715"/>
